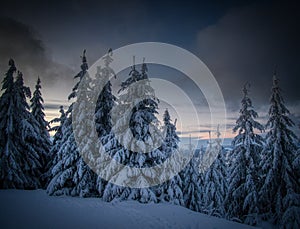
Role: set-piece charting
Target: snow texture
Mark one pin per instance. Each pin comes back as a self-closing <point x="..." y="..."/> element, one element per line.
<point x="35" y="209"/>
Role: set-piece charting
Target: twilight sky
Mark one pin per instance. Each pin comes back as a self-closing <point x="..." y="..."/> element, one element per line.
<point x="239" y="42"/>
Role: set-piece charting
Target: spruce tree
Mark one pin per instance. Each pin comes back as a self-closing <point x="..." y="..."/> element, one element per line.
<point x="71" y="175"/>
<point x="20" y="163"/>
<point x="11" y="164"/>
<point x="56" y="143"/>
<point x="58" y="131"/>
<point x="104" y="105"/>
<point x="279" y="195"/>
<point x="137" y="86"/>
<point x="215" y="182"/>
<point x="37" y="110"/>
<point x="191" y="185"/>
<point x="296" y="165"/>
<point x="171" y="190"/>
<point x="242" y="198"/>
<point x="106" y="99"/>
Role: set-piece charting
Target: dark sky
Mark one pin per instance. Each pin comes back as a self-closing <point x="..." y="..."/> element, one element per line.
<point x="239" y="42"/>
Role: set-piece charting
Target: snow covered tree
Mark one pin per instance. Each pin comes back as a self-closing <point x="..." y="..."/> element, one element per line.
<point x="296" y="165"/>
<point x="58" y="128"/>
<point x="242" y="198"/>
<point x="171" y="190"/>
<point x="20" y="163"/>
<point x="56" y="143"/>
<point x="191" y="185"/>
<point x="71" y="175"/>
<point x="171" y="140"/>
<point x="37" y="110"/>
<point x="106" y="99"/>
<point x="215" y="182"/>
<point x="58" y="131"/>
<point x="104" y="105"/>
<point x="11" y="164"/>
<point x="135" y="88"/>
<point x="279" y="195"/>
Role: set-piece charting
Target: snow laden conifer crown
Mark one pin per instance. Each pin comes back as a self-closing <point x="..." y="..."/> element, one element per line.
<point x="97" y="155"/>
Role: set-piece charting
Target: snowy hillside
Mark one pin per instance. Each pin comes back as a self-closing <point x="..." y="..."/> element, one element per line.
<point x="35" y="209"/>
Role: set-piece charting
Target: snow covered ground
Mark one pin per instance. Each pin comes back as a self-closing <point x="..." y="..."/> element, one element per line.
<point x="35" y="209"/>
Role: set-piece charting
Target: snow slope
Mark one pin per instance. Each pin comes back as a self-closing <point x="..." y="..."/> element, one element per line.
<point x="35" y="209"/>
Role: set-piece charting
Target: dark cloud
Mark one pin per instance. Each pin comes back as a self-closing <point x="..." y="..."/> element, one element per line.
<point x="239" y="45"/>
<point x="21" y="42"/>
<point x="247" y="44"/>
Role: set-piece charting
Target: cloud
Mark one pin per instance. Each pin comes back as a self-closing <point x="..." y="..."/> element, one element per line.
<point x="192" y="132"/>
<point x="246" y="44"/>
<point x="54" y="107"/>
<point x="21" y="42"/>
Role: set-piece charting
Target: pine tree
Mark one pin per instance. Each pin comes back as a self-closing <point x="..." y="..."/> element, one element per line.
<point x="215" y="182"/>
<point x="171" y="190"/>
<point x="19" y="136"/>
<point x="242" y="198"/>
<point x="142" y="114"/>
<point x="58" y="131"/>
<point x="296" y="165"/>
<point x="279" y="195"/>
<point x="191" y="185"/>
<point x="37" y="110"/>
<point x="106" y="99"/>
<point x="171" y="140"/>
<point x="56" y="143"/>
<point x="71" y="175"/>
<point x="104" y="105"/>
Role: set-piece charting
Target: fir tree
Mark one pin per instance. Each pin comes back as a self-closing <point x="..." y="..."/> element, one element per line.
<point x="296" y="165"/>
<point x="71" y="175"/>
<point x="279" y="195"/>
<point x="19" y="136"/>
<point x="56" y="143"/>
<point x="242" y="198"/>
<point x="58" y="130"/>
<point x="215" y="182"/>
<point x="37" y="110"/>
<point x="106" y="99"/>
<point x="171" y="190"/>
<point x="171" y="140"/>
<point x="142" y="114"/>
<point x="191" y="185"/>
<point x="104" y="105"/>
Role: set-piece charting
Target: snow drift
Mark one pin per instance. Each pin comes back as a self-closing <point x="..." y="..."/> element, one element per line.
<point x="35" y="209"/>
